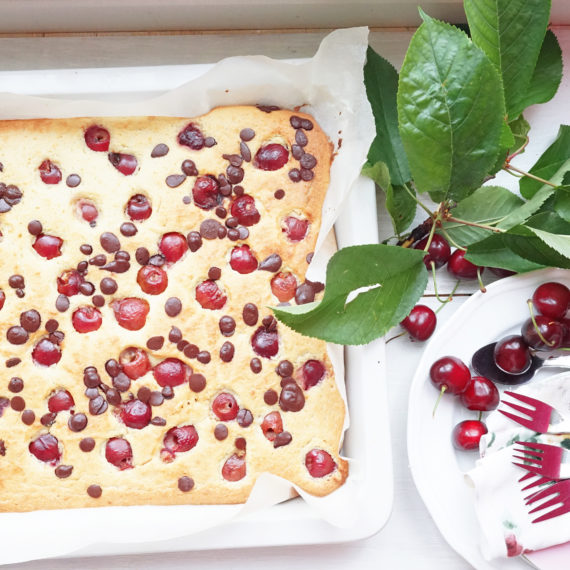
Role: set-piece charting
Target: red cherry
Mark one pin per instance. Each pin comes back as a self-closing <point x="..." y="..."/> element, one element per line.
<point x="551" y="299"/>
<point x="134" y="362"/>
<point x="420" y="323"/>
<point x="210" y="296"/>
<point x="118" y="452"/>
<point x="500" y="272"/>
<point x="234" y="468"/>
<point x="467" y="434"/>
<point x="173" y="246"/>
<point x="87" y="210"/>
<point x="512" y="355"/>
<point x="191" y="136"/>
<point x="180" y="439"/>
<point x="271" y="156"/>
<point x="48" y="246"/>
<point x="319" y="463"/>
<point x="152" y="279"/>
<point x="131" y="312"/>
<point x="138" y="208"/>
<point x="450" y="373"/>
<point x="480" y="395"/>
<point x="46" y="353"/>
<point x="283" y="286"/>
<point x="552" y="331"/>
<point x="460" y="268"/>
<point x="86" y="319"/>
<point x="313" y="372"/>
<point x="265" y="343"/>
<point x="206" y="192"/>
<point x="295" y="229"/>
<point x="243" y="208"/>
<point x="225" y="407"/>
<point x="438" y="251"/>
<point x="272" y="425"/>
<point x="125" y="163"/>
<point x="60" y="401"/>
<point x="242" y="259"/>
<point x="171" y="372"/>
<point x="49" y="172"/>
<point x="2" y="298"/>
<point x="97" y="138"/>
<point x="45" y="448"/>
<point x="68" y="282"/>
<point x="136" y="414"/>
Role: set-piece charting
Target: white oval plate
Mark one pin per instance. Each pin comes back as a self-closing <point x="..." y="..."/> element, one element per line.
<point x="437" y="468"/>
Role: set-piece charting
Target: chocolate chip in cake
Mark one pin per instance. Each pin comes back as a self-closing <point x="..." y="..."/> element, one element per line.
<point x="232" y="222"/>
<point x="73" y="180"/>
<point x="244" y="418"/>
<point x="158" y="260"/>
<point x="240" y="443"/>
<point x="295" y="175"/>
<point x="77" y="422"/>
<point x="168" y="392"/>
<point x="295" y="121"/>
<point x="214" y="273"/>
<point x="87" y="288"/>
<point x="281" y="439"/>
<point x="17" y="335"/>
<point x="210" y="142"/>
<point x="220" y="432"/>
<point x="209" y="229"/>
<point x="28" y="417"/>
<point x="48" y="419"/>
<point x="227" y="352"/>
<point x="113" y="397"/>
<point x="243" y="233"/>
<point x="91" y="377"/>
<point x="175" y="180"/>
<point x="158" y="421"/>
<point x="185" y="484"/>
<point x="204" y="357"/>
<point x="271" y="263"/>
<point x="246" y="134"/>
<point x="94" y="491"/>
<point x="221" y="212"/>
<point x="159" y="150"/>
<point x="255" y="365"/>
<point x="308" y="161"/>
<point x="51" y="325"/>
<point x="301" y="138"/>
<point x="97" y="406"/>
<point x="142" y="255"/>
<point x="63" y="471"/>
<point x="284" y="369"/>
<point x="297" y="151"/>
<point x="183" y="344"/>
<point x="11" y="362"/>
<point x="98" y="260"/>
<point x="227" y="325"/>
<point x="156" y="398"/>
<point x="112" y="367"/>
<point x="16" y="282"/>
<point x="173" y="306"/>
<point x="109" y="242"/>
<point x="122" y="255"/>
<point x="238" y="190"/>
<point x="190" y="350"/>
<point x="194" y="240"/>
<point x="291" y="398"/>
<point x="189" y="168"/>
<point x="306" y="174"/>
<point x="83" y="267"/>
<point x="186" y="200"/>
<point x="98" y="300"/>
<point x="108" y="286"/>
<point x="155" y="343"/>
<point x="233" y="234"/>
<point x="245" y="151"/>
<point x="270" y="397"/>
<point x="235" y="174"/>
<point x="35" y="227"/>
<point x="279" y="194"/>
<point x="175" y="335"/>
<point x="85" y="249"/>
<point x="307" y="124"/>
<point x="18" y="404"/>
<point x="117" y="266"/>
<point x="309" y="257"/>
<point x="143" y="394"/>
<point x="4" y="403"/>
<point x="15" y="385"/>
<point x="87" y="444"/>
<point x="91" y="393"/>
<point x="2" y="448"/>
<point x="121" y="382"/>
<point x="250" y="314"/>
<point x="128" y="229"/>
<point x="197" y="382"/>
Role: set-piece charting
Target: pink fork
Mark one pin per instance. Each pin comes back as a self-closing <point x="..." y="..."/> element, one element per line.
<point x="536" y="415"/>
<point x="557" y="494"/>
<point x="551" y="461"/>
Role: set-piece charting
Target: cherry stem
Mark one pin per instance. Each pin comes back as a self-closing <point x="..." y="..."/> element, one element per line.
<point x="441" y="392"/>
<point x="451" y="240"/>
<point x="395" y="337"/>
<point x="535" y="324"/>
<point x="518" y="151"/>
<point x="449" y="298"/>
<point x="480" y="415"/>
<point x="510" y="168"/>
<point x="481" y="286"/>
<point x="413" y="195"/>
<point x="475" y="225"/>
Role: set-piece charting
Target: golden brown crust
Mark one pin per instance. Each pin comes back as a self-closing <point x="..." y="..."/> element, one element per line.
<point x="27" y="483"/>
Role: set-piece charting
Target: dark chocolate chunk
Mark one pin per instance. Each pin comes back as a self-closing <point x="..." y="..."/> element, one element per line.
<point x="87" y="288"/>
<point x="244" y="417"/>
<point x="246" y="134"/>
<point x="220" y="432"/>
<point x="128" y="229"/>
<point x="159" y="150"/>
<point x="235" y="174"/>
<point x="281" y="439"/>
<point x="18" y="404"/>
<point x="156" y="398"/>
<point x="214" y="273"/>
<point x="94" y="491"/>
<point x="297" y="151"/>
<point x="189" y="168"/>
<point x="168" y="392"/>
<point x="185" y="484"/>
<point x="306" y="174"/>
<point x="175" y="180"/>
<point x="35" y="227"/>
<point x="227" y="351"/>
<point x="98" y="300"/>
<point x="77" y="422"/>
<point x="73" y="180"/>
<point x="121" y="382"/>
<point x="52" y="325"/>
<point x="62" y="303"/>
<point x="155" y="343"/>
<point x="194" y="240"/>
<point x="291" y="398"/>
<point x="270" y="397"/>
<point x="16" y="282"/>
<point x="308" y="161"/>
<point x="143" y="394"/>
<point x="295" y="175"/>
<point x="240" y="443"/>
<point x="255" y="365"/>
<point x="15" y="385"/>
<point x="63" y="471"/>
<point x="301" y="138"/>
<point x="110" y="242"/>
<point x="85" y="249"/>
<point x="209" y="229"/>
<point x="112" y="367"/>
<point x="113" y="397"/>
<point x="98" y="260"/>
<point x="28" y="417"/>
<point x="158" y="421"/>
<point x="30" y="320"/>
<point x="271" y="263"/>
<point x="142" y="255"/>
<point x="97" y="406"/>
<point x="87" y="444"/>
<point x="304" y="293"/>
<point x="204" y="357"/>
<point x="2" y="444"/>
<point x="175" y="335"/>
<point x="197" y="382"/>
<point x="17" y="335"/>
<point x="279" y="194"/>
<point x="108" y="286"/>
<point x="91" y="393"/>
<point x="190" y="350"/>
<point x="285" y="369"/>
<point x="117" y="266"/>
<point x="227" y="325"/>
<point x="48" y="419"/>
<point x="250" y="314"/>
<point x="173" y="306"/>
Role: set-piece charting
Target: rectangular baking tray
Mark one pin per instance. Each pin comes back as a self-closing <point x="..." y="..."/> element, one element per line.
<point x="367" y="441"/>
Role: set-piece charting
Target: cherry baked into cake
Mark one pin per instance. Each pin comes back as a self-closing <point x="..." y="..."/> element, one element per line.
<point x="141" y="360"/>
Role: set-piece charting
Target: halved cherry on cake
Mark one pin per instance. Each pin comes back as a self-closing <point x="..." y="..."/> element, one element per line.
<point x="152" y="279"/>
<point x="134" y="362"/>
<point x="178" y="440"/>
<point x="45" y="448"/>
<point x="210" y="296"/>
<point x="86" y="319"/>
<point x="295" y="228"/>
<point x="138" y="208"/>
<point x="171" y="372"/>
<point x="319" y="463"/>
<point x="48" y="246"/>
<point x="125" y="163"/>
<point x="87" y="210"/>
<point x="205" y="192"/>
<point x="60" y="401"/>
<point x="234" y="468"/>
<point x="313" y="372"/>
<point x="131" y="312"/>
<point x="118" y="452"/>
<point x="69" y="281"/>
<point x="284" y="285"/>
<point x="272" y="425"/>
<point x="136" y="414"/>
<point x="173" y="246"/>
<point x="97" y="138"/>
<point x="225" y="407"/>
<point x="265" y="342"/>
<point x="191" y="136"/>
<point x="46" y="353"/>
<point x="242" y="259"/>
<point x="2" y="298"/>
<point x="272" y="156"/>
<point x="49" y="172"/>
<point x="243" y="208"/>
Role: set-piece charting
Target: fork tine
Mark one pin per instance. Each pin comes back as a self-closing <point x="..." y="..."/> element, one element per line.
<point x="528" y="461"/>
<point x="534" y="454"/>
<point x="522" y="409"/>
<point x="539" y="481"/>
<point x="523" y="422"/>
<point x="536" y="446"/>
<point x="526" y="399"/>
<point x="563" y="509"/>
<point x="531" y="468"/>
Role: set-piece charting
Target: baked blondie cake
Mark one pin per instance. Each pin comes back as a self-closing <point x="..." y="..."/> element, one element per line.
<point x="141" y="363"/>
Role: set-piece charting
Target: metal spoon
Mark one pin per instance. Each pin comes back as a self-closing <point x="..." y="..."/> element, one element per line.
<point x="483" y="363"/>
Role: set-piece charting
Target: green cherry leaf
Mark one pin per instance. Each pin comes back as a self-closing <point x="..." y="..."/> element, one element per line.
<point x="381" y="82"/>
<point x="511" y="33"/>
<point x="520" y="128"/>
<point x="552" y="165"/>
<point x="562" y="202"/>
<point x="450" y="111"/>
<point x="370" y="289"/>
<point x="521" y="214"/>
